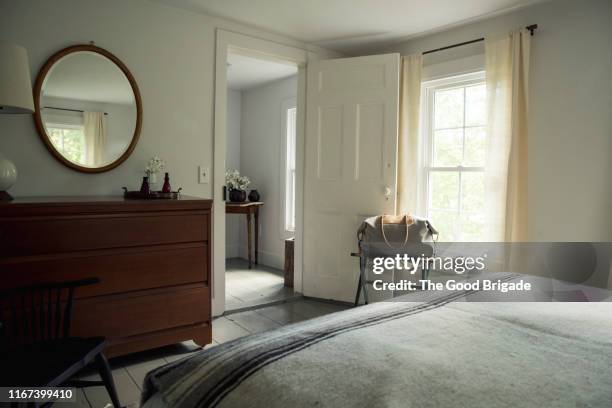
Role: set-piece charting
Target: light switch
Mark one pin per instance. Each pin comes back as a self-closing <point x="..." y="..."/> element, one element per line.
<point x="203" y="174"/>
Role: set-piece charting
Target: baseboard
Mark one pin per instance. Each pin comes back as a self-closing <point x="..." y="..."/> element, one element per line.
<point x="271" y="259"/>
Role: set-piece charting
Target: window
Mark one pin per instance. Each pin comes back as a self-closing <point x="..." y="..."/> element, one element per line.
<point x="69" y="140"/>
<point x="454" y="158"/>
<point x="290" y="112"/>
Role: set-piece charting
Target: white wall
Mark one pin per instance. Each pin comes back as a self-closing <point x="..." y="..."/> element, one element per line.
<point x="169" y="51"/>
<point x="260" y="160"/>
<point x="233" y="222"/>
<point x="570" y="128"/>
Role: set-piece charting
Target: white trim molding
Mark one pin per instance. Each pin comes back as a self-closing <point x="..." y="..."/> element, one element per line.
<point x="255" y="47"/>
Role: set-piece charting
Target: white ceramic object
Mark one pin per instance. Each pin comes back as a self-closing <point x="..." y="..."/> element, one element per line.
<point x="8" y="173"/>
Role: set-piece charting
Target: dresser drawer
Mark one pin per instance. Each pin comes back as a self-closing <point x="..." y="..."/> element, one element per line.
<point x="45" y="235"/>
<point x="119" y="270"/>
<point x="127" y="315"/>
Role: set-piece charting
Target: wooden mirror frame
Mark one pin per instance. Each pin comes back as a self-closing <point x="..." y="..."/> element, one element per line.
<point x="40" y="127"/>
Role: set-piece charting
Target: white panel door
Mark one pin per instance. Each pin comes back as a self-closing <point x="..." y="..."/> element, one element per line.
<point x="350" y="164"/>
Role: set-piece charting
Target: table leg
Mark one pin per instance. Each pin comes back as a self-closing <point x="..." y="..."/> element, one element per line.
<point x="256" y="235"/>
<point x="249" y="238"/>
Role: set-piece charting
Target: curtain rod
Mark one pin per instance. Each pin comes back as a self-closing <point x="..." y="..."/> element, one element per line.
<point x="65" y="109"/>
<point x="531" y="29"/>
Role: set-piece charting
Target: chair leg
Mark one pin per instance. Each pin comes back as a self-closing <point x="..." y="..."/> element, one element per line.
<point x="107" y="376"/>
<point x="364" y="278"/>
<point x="424" y="273"/>
<point x="358" y="291"/>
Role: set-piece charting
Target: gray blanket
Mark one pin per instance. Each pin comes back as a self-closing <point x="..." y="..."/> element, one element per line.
<point x="435" y="352"/>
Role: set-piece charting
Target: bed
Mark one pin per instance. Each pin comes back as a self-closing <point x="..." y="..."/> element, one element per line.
<point x="431" y="349"/>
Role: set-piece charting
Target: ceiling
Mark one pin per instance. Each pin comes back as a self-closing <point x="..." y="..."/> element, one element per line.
<point x="350" y="25"/>
<point x="246" y="72"/>
<point x="87" y="76"/>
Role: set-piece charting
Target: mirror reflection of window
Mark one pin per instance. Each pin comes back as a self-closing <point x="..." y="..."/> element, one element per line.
<point x="68" y="140"/>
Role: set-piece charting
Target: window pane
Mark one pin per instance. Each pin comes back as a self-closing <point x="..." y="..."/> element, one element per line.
<point x="445" y="222"/>
<point x="56" y="137"/>
<point x="448" y="146"/>
<point x="475" y="105"/>
<point x="475" y="147"/>
<point x="472" y="227"/>
<point x="291" y="116"/>
<point x="290" y="209"/>
<point x="472" y="192"/>
<point x="73" y="144"/>
<point x="290" y="170"/>
<point x="70" y="142"/>
<point x="444" y="190"/>
<point x="448" y="108"/>
<point x="457" y="137"/>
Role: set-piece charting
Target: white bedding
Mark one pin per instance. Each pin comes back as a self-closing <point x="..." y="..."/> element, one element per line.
<point x="398" y="354"/>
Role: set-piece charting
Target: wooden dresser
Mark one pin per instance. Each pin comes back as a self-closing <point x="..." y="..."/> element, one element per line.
<point x="152" y="259"/>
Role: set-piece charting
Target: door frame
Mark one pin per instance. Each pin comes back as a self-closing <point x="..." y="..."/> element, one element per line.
<point x="227" y="41"/>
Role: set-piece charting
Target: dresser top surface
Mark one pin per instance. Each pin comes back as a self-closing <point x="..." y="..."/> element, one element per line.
<point x="89" y="199"/>
<point x="101" y="203"/>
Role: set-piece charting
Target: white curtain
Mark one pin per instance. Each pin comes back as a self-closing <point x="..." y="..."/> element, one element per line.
<point x="94" y="129"/>
<point x="507" y="72"/>
<point x="409" y="145"/>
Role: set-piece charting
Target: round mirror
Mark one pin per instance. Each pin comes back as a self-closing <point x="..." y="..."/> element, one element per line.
<point x="88" y="108"/>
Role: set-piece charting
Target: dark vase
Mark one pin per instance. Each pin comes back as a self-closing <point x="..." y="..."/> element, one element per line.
<point x="166" y="188"/>
<point x="237" y="196"/>
<point x="144" y="187"/>
<point x="254" y="196"/>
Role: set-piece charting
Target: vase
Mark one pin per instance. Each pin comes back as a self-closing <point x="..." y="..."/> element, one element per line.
<point x="237" y="196"/>
<point x="144" y="187"/>
<point x="8" y="176"/>
<point x="166" y="187"/>
<point x="254" y="196"/>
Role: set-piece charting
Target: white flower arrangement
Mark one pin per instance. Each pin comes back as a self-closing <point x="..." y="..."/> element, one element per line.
<point x="235" y="181"/>
<point x="155" y="165"/>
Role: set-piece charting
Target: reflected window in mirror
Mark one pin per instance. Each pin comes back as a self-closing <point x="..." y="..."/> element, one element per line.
<point x="69" y="140"/>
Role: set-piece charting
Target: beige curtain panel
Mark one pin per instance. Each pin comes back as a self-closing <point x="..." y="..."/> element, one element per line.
<point x="94" y="129"/>
<point x="507" y="73"/>
<point x="409" y="145"/>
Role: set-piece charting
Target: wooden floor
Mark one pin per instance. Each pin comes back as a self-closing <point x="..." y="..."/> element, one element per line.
<point x="246" y="287"/>
<point x="129" y="371"/>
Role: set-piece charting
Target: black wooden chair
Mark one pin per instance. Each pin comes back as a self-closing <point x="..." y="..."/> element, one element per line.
<point x="36" y="349"/>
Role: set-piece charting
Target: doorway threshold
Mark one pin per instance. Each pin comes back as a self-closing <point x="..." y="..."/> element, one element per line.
<point x="247" y="288"/>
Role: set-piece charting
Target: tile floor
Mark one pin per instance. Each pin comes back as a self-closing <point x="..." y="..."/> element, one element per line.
<point x="129" y="371"/>
<point x="246" y="287"/>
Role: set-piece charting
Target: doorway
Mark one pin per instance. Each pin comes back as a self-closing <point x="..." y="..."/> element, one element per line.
<point x="260" y="94"/>
<point x="260" y="169"/>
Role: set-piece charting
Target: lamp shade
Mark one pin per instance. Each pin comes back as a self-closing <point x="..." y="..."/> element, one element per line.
<point x="15" y="82"/>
